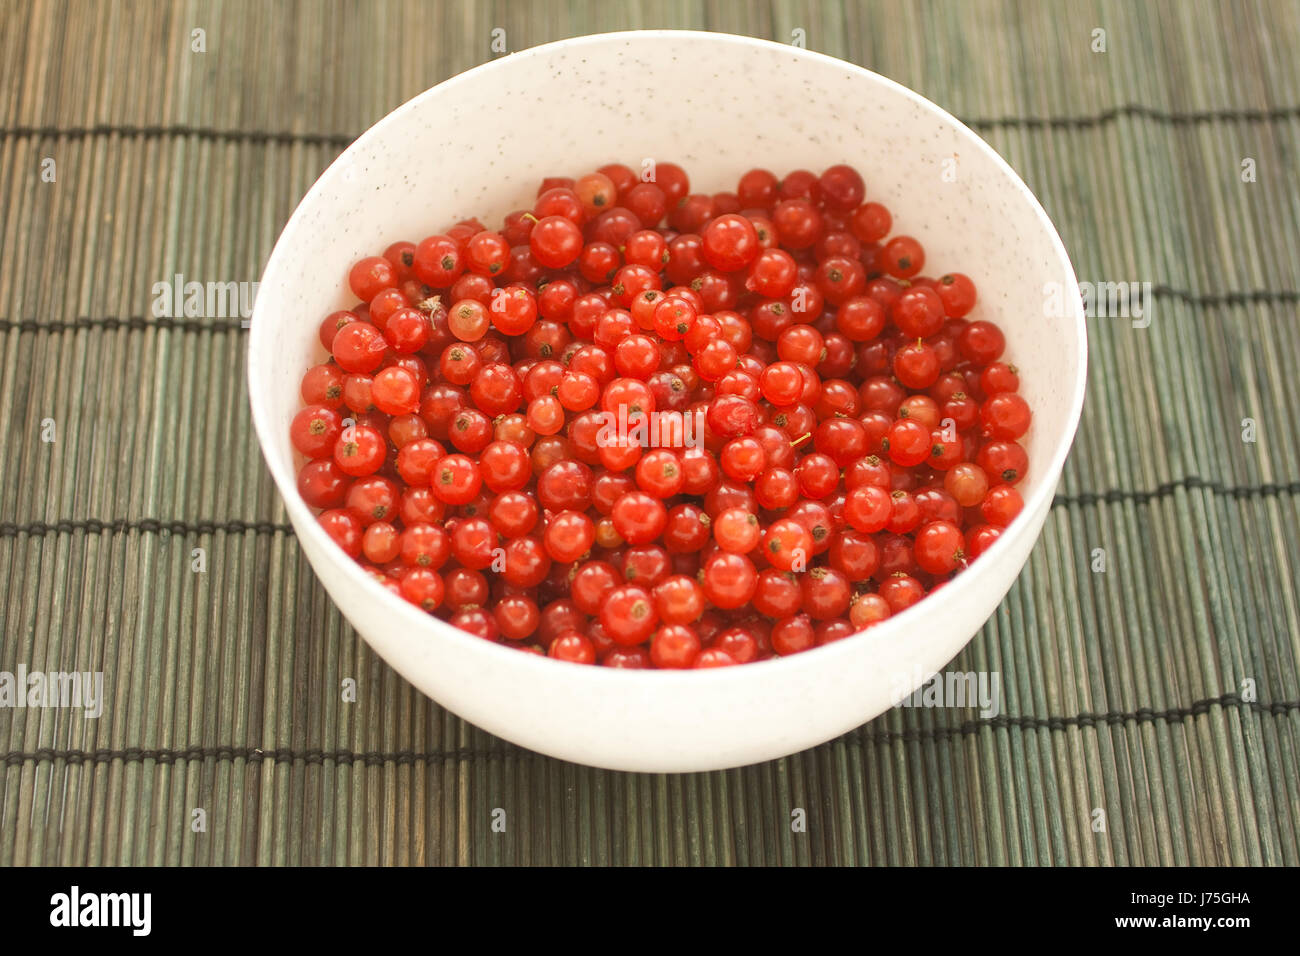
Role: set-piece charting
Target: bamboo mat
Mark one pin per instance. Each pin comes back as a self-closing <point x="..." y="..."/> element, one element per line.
<point x="1151" y="712"/>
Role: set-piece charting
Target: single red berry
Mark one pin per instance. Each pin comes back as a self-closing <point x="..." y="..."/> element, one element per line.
<point x="438" y="261"/>
<point x="323" y="484"/>
<point x="344" y="528"/>
<point x="916" y="365"/>
<point x="999" y="377"/>
<point x="826" y="593"/>
<point x="1005" y="416"/>
<point x="714" y="657"/>
<point x="569" y="536"/>
<point x="628" y="615"/>
<point x="487" y="253"/>
<point x="841" y="188"/>
<point x="798" y="223"/>
<point x="957" y="292"/>
<point x="424" y="546"/>
<point x="788" y="545"/>
<point x="918" y="313"/>
<point x="871" y="222"/>
<point x="360" y="450"/>
<point x="674" y="646"/>
<point x="903" y="257"/>
<point x="572" y="646"/>
<point x="315" y="431"/>
<point x="1003" y="461"/>
<point x="840" y="279"/>
<point x="979" y="539"/>
<point x="371" y="276"/>
<point x="373" y="499"/>
<point x="359" y="347"/>
<point x="792" y="635"/>
<point x="908" y="442"/>
<point x="1001" y="505"/>
<point x="555" y="241"/>
<point x="967" y="483"/>
<point x="867" y="508"/>
<point x="395" y="391"/>
<point x="868" y="609"/>
<point x="639" y="518"/>
<point x="729" y="243"/>
<point x="456" y="479"/>
<point x="729" y="580"/>
<point x="773" y="274"/>
<point x="940" y="548"/>
<point x="678" y="599"/>
<point x="381" y="542"/>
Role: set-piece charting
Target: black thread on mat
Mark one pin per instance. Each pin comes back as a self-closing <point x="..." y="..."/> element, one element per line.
<point x="1086" y="719"/>
<point x="1171" y="117"/>
<point x="376" y="757"/>
<point x="134" y="324"/>
<point x="283" y="137"/>
<point x="1118" y="496"/>
<point x="9" y="529"/>
<point x="252" y="755"/>
<point x="141" y="324"/>
<point x="1086" y="121"/>
<point x="1232" y="297"/>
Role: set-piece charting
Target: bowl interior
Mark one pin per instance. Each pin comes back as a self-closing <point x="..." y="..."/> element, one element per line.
<point x="717" y="105"/>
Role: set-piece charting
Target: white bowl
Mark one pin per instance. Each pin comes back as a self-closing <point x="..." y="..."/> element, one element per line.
<point x="477" y="145"/>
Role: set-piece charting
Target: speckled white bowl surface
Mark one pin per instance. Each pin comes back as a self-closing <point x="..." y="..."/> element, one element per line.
<point x="477" y="145"/>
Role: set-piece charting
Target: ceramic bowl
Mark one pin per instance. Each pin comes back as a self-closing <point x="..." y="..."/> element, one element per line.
<point x="477" y="145"/>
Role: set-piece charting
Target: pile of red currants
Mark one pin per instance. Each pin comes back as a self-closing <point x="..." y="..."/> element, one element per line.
<point x="644" y="427"/>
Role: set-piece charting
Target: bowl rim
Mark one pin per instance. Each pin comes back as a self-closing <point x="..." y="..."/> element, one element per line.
<point x="823" y="657"/>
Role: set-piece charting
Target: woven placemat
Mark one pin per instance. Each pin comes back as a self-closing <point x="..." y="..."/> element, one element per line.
<point x="1151" y="710"/>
